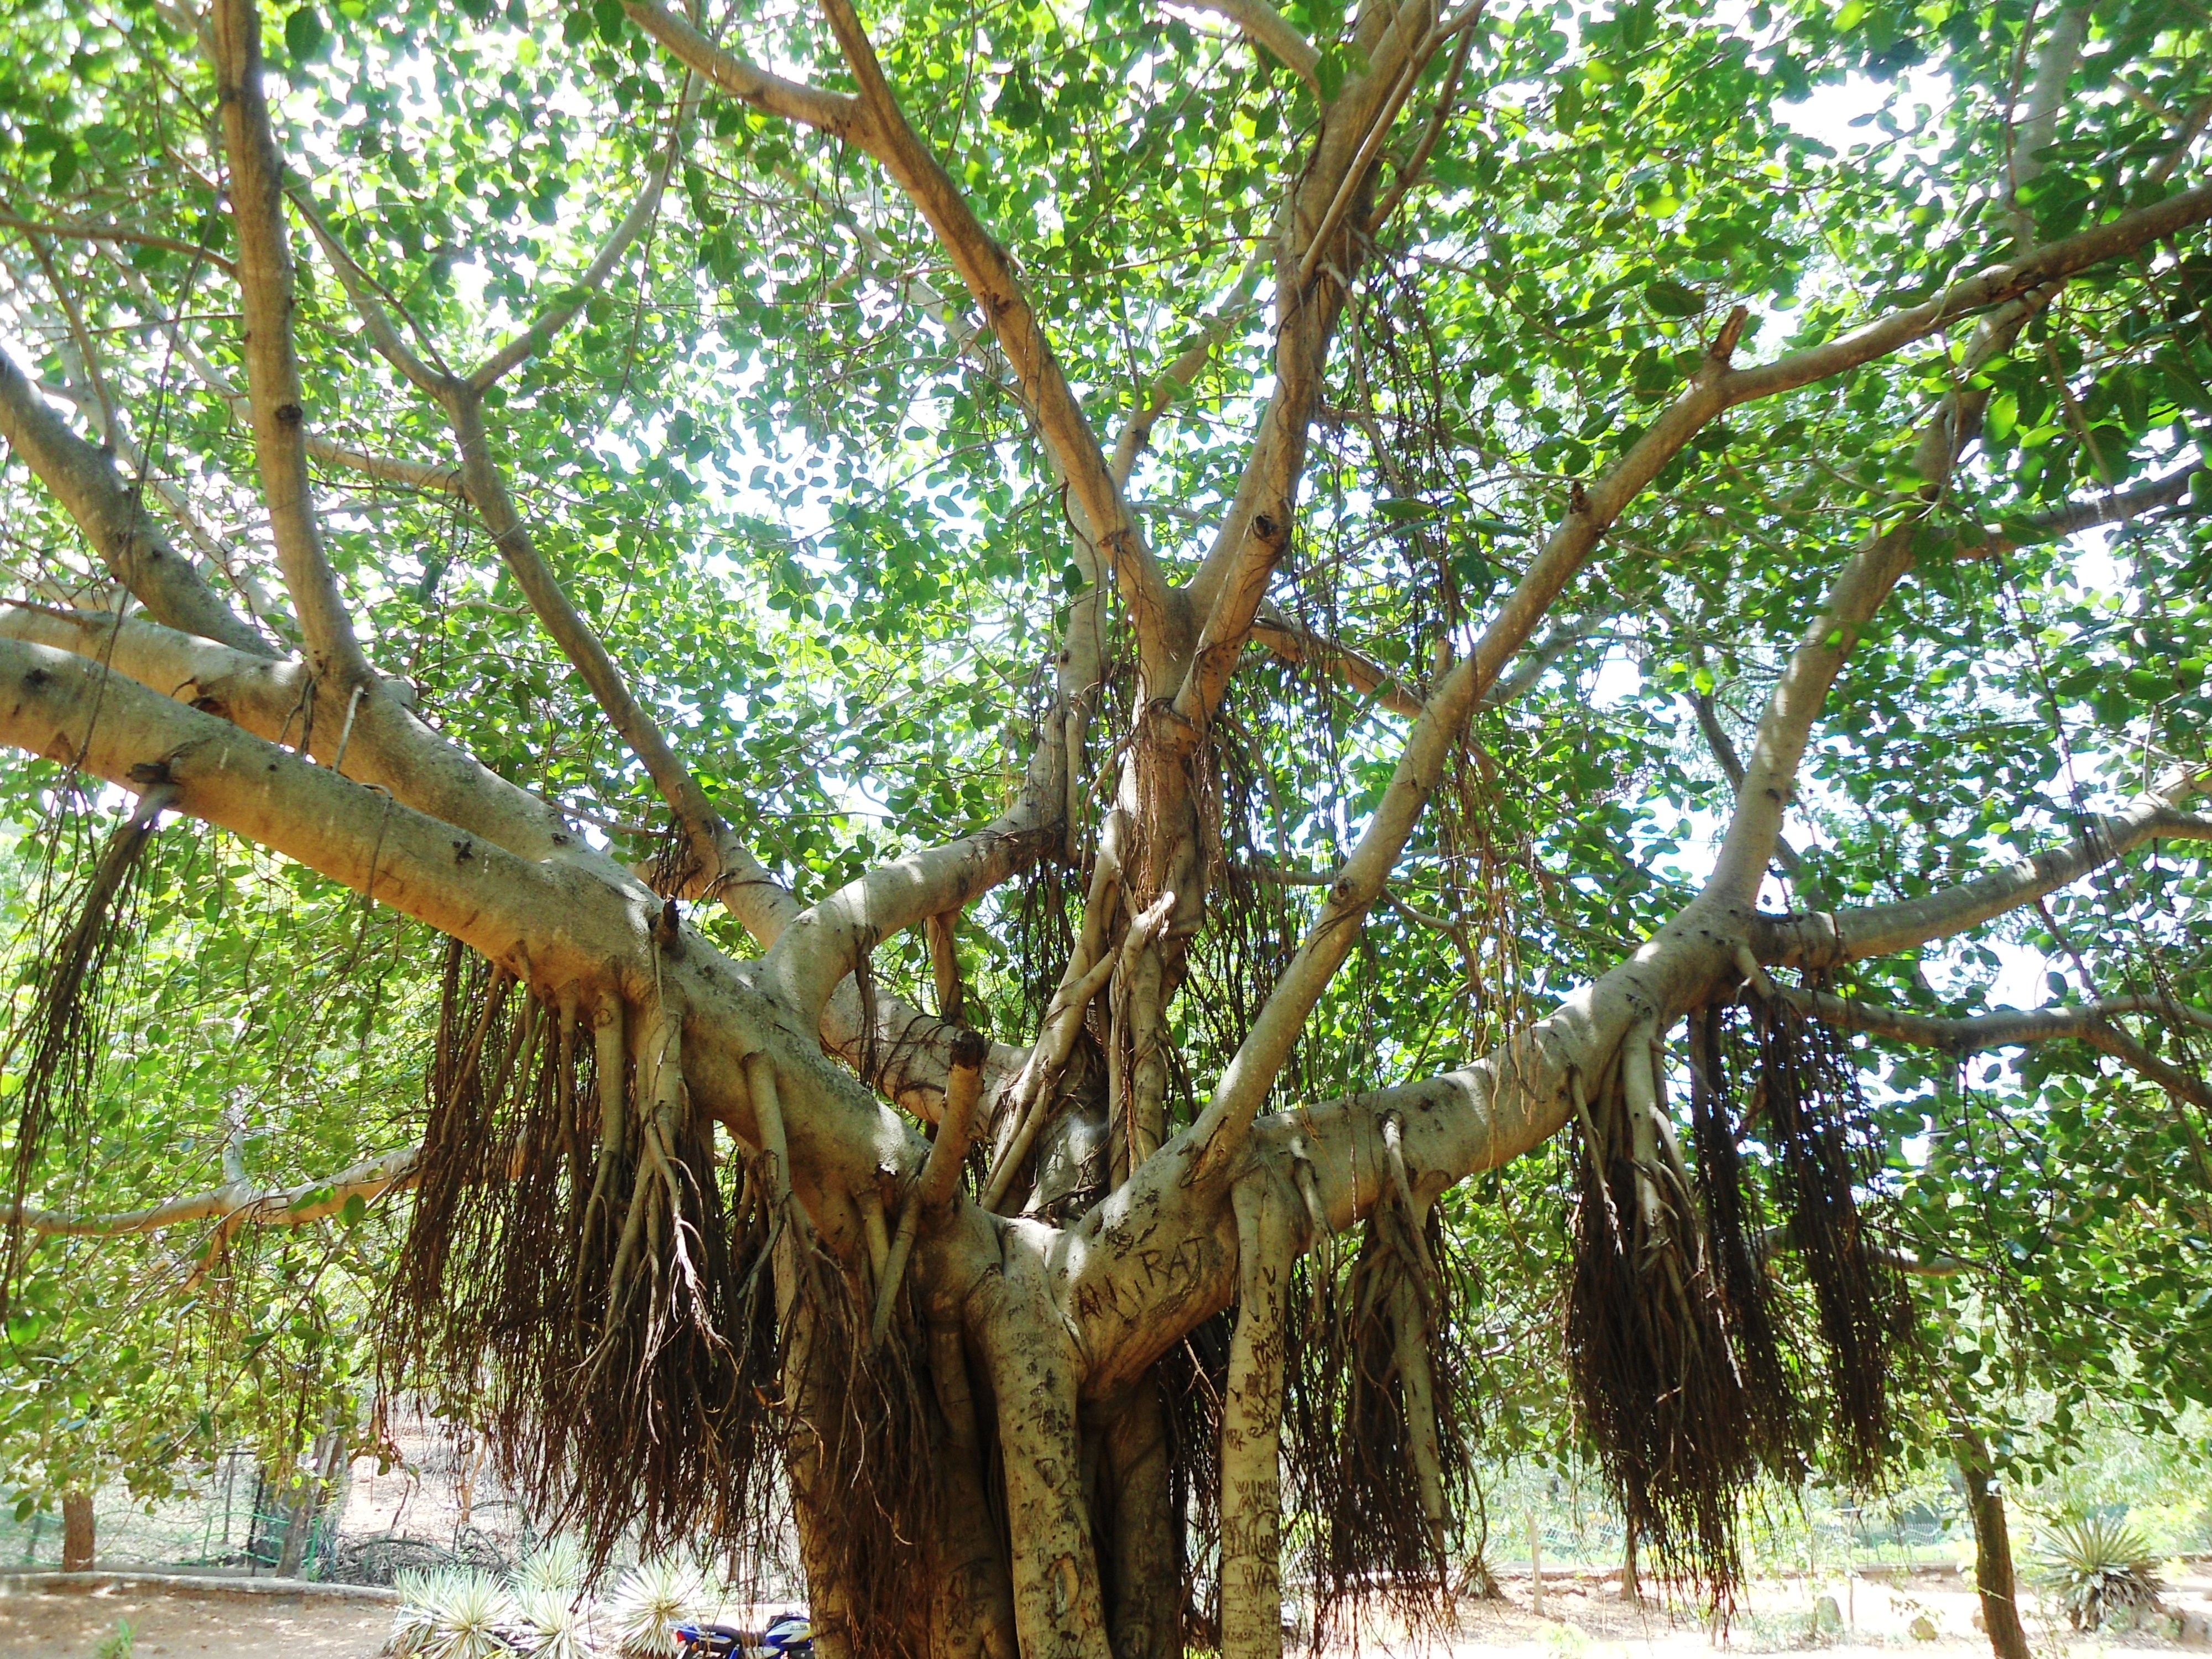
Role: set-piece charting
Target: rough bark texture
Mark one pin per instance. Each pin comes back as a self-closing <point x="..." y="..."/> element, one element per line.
<point x="78" y="1541"/>
<point x="1017" y="1357"/>
<point x="1994" y="1578"/>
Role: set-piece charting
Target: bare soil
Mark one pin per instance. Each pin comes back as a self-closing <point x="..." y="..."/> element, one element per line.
<point x="71" y="1624"/>
<point x="1583" y="1618"/>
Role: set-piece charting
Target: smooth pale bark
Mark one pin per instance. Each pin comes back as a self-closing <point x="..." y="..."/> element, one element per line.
<point x="131" y="544"/>
<point x="1060" y="1609"/>
<point x="266" y="281"/>
<point x="1252" y="1427"/>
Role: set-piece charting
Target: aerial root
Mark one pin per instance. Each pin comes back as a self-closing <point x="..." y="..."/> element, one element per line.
<point x="62" y="1039"/>
<point x="1376" y="1451"/>
<point x="1690" y="1381"/>
<point x="577" y="1277"/>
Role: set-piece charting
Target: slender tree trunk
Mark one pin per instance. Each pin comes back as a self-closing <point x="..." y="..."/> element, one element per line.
<point x="77" y="1532"/>
<point x="1993" y="1571"/>
<point x="1631" y="1587"/>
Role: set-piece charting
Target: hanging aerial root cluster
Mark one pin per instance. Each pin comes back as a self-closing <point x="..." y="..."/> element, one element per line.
<point x="649" y="1339"/>
<point x="1807" y="1107"/>
<point x="1376" y="1450"/>
<point x="1194" y="1379"/>
<point x="863" y="1455"/>
<point x="1692" y="1381"/>
<point x="576" y="1276"/>
<point x="79" y="933"/>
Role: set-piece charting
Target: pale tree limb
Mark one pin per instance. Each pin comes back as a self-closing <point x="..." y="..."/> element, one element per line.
<point x="2116" y="508"/>
<point x="274" y="699"/>
<point x="984" y="267"/>
<point x="1264" y="26"/>
<point x="1815" y="939"/>
<point x="912" y="1050"/>
<point x="563" y="310"/>
<point x="714" y="848"/>
<point x="1731" y="764"/>
<point x="1233" y="578"/>
<point x="1295" y="644"/>
<point x="551" y="922"/>
<point x="2012" y="1027"/>
<point x="272" y="367"/>
<point x="838" y="113"/>
<point x="1409" y="171"/>
<point x="114" y="519"/>
<point x="235" y="1202"/>
<point x="1768" y="781"/>
<point x="1251" y="1071"/>
<point x="2060" y="55"/>
<point x="2048" y="264"/>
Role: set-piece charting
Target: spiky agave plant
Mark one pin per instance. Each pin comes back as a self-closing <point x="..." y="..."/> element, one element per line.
<point x="470" y="1614"/>
<point x="654" y="1597"/>
<point x="2095" y="1565"/>
<point x="554" y="1563"/>
<point x="556" y="1623"/>
<point x="411" y="1627"/>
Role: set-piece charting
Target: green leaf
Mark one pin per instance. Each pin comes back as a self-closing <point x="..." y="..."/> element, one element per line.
<point x="1672" y="299"/>
<point x="304" y="34"/>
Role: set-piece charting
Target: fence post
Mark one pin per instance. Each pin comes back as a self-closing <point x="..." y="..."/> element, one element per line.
<point x="1536" y="1566"/>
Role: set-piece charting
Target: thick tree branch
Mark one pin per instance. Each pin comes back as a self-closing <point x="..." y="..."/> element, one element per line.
<point x="114" y="519"/>
<point x="272" y="367"/>
<point x="2012" y="1027"/>
<point x="2048" y="264"/>
<point x="715" y="849"/>
<point x="1295" y="644"/>
<point x="1769" y="777"/>
<point x="551" y="923"/>
<point x="2116" y="508"/>
<point x="1176" y="379"/>
<point x="1817" y="939"/>
<point x="1264" y="26"/>
<point x="989" y="275"/>
<point x="1251" y="1071"/>
<point x="1731" y="765"/>
<point x="276" y="700"/>
<point x="839" y="114"/>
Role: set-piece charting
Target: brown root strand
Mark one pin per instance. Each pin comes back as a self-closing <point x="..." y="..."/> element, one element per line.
<point x="1660" y="1393"/>
<point x="1351" y="1451"/>
<point x="577" y="1280"/>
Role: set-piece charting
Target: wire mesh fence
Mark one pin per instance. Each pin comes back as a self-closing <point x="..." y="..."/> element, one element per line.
<point x="440" y="1505"/>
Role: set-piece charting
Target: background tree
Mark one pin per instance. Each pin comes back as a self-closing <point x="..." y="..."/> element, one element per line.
<point x="1122" y="643"/>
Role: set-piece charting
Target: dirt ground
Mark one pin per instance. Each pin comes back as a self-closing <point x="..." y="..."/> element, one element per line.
<point x="1583" y="1619"/>
<point x="72" y="1624"/>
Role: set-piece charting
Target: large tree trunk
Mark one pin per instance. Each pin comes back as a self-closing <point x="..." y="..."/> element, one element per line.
<point x="77" y="1532"/>
<point x="1993" y="1568"/>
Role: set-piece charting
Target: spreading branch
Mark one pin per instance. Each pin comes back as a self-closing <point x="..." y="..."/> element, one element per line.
<point x="265" y="281"/>
<point x="2011" y="1028"/>
<point x="1263" y="26"/>
<point x="1817" y="939"/>
<point x="235" y="1203"/>
<point x="113" y="518"/>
